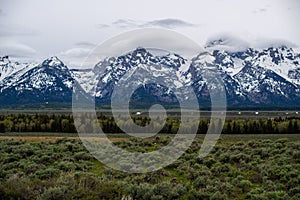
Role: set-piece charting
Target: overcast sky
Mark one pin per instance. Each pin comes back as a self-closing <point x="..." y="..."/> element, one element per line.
<point x="69" y="29"/>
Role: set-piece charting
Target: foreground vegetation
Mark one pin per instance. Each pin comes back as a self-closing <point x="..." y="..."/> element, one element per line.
<point x="235" y="169"/>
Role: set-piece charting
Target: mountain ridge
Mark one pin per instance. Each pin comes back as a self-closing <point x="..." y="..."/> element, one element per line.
<point x="267" y="77"/>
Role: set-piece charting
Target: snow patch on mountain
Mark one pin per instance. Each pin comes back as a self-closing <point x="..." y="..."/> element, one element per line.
<point x="86" y="78"/>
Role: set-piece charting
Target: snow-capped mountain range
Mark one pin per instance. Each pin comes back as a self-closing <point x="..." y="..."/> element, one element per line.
<point x="252" y="77"/>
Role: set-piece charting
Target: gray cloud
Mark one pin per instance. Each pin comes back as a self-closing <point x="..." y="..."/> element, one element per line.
<point x="169" y="23"/>
<point x="272" y="42"/>
<point x="85" y="44"/>
<point x="226" y="41"/>
<point x="262" y="10"/>
<point x="76" y="52"/>
<point x="102" y="26"/>
<point x="16" y="30"/>
<point x="67" y="25"/>
<point x="153" y="38"/>
<point x="75" y="56"/>
<point x="125" y="23"/>
<point x="16" y="49"/>
<point x="233" y="43"/>
<point x="120" y="23"/>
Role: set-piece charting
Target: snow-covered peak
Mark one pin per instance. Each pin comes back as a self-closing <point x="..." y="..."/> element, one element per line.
<point x="54" y="62"/>
<point x="110" y="70"/>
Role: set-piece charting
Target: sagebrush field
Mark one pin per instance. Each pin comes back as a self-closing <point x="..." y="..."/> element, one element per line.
<point x="239" y="167"/>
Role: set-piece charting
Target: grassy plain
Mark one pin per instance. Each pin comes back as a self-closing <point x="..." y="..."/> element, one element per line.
<point x="55" y="165"/>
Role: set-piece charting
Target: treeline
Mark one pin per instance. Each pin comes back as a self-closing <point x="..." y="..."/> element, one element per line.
<point x="262" y="126"/>
<point x="37" y="123"/>
<point x="65" y="124"/>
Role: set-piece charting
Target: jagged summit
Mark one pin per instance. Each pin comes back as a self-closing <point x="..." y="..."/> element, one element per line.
<point x="140" y="50"/>
<point x="4" y="59"/>
<point x="7" y="67"/>
<point x="54" y="62"/>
